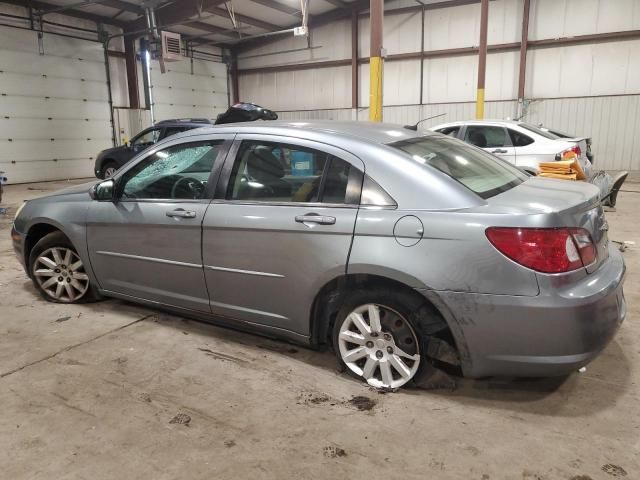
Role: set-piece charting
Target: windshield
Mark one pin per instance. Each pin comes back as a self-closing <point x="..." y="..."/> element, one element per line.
<point x="480" y="172"/>
<point x="539" y="131"/>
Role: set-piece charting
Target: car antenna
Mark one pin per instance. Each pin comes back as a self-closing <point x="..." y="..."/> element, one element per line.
<point x="415" y="126"/>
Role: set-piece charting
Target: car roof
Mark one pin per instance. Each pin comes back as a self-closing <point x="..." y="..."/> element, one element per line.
<point x="197" y="122"/>
<point x="371" y="132"/>
<point x="479" y="122"/>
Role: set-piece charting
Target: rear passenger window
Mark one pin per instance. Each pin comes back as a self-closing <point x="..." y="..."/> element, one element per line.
<point x="519" y="139"/>
<point x="451" y="131"/>
<point x="281" y="173"/>
<point x="486" y="136"/>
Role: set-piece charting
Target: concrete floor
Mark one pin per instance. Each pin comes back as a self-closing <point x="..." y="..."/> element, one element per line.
<point x="113" y="390"/>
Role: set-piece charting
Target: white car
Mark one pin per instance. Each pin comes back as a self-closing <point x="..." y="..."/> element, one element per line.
<point x="519" y="143"/>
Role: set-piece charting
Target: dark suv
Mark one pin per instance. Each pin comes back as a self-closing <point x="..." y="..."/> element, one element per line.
<point x="111" y="159"/>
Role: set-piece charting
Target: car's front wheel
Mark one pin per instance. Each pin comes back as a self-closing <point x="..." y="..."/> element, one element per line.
<point x="109" y="169"/>
<point x="58" y="272"/>
<point x="380" y="336"/>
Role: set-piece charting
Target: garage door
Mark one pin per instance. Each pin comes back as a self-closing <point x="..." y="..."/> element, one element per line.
<point x="189" y="88"/>
<point x="54" y="109"/>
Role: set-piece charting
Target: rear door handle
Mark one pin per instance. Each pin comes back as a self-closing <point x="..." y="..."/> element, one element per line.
<point x="182" y="213"/>
<point x="314" y="218"/>
<point x="499" y="150"/>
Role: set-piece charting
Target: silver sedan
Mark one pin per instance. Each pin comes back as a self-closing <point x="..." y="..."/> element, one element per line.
<point x="402" y="251"/>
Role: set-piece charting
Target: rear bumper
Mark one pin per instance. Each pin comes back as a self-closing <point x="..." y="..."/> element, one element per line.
<point x="553" y="333"/>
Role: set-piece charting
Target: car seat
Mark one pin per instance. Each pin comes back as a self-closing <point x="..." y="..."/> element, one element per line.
<point x="264" y="176"/>
<point x="478" y="139"/>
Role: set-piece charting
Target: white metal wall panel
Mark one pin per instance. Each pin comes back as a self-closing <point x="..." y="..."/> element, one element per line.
<point x="401" y="82"/>
<point x="189" y="88"/>
<point x="568" y="18"/>
<point x="329" y="42"/>
<point x="299" y="90"/>
<point x="582" y="70"/>
<point x="54" y="107"/>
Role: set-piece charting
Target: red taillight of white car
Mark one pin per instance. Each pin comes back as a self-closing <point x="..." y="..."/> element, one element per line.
<point x="546" y="250"/>
<point x="569" y="153"/>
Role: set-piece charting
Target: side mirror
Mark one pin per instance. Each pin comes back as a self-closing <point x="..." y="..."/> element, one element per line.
<point x="103" y="191"/>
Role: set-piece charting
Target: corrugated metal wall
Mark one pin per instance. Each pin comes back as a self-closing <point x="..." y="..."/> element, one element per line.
<point x="613" y="122"/>
<point x="592" y="76"/>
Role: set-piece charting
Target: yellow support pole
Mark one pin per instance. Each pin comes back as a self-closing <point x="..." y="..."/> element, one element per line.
<point x="480" y="104"/>
<point x="375" y="89"/>
<point x="482" y="58"/>
<point x="376" y="63"/>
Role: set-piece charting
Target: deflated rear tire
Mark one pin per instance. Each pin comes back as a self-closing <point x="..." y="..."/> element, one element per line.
<point x="57" y="271"/>
<point x="383" y="336"/>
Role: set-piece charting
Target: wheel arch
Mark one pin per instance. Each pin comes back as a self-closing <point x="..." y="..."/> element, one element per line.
<point x="329" y="299"/>
<point x="35" y="233"/>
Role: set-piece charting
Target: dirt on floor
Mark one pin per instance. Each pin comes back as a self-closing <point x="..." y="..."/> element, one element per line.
<point x="113" y="390"/>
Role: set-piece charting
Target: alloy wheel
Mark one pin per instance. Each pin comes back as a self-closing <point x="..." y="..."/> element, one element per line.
<point x="60" y="273"/>
<point x="109" y="172"/>
<point x="379" y="345"/>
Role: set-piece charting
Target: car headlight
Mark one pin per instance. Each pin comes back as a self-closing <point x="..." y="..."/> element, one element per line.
<point x="19" y="210"/>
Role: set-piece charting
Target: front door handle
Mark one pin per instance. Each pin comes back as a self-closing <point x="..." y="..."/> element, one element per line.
<point x="182" y="213"/>
<point x="499" y="150"/>
<point x="315" y="218"/>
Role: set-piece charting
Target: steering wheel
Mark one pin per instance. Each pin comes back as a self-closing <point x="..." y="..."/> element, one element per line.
<point x="187" y="187"/>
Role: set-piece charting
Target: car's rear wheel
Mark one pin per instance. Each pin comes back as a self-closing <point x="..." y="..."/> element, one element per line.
<point x="109" y="169"/>
<point x="381" y="336"/>
<point x="58" y="271"/>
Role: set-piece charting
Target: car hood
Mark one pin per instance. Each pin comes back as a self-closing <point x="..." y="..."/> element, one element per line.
<point x="108" y="151"/>
<point x="73" y="190"/>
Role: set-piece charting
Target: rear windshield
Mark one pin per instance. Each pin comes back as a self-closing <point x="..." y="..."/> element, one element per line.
<point x="480" y="172"/>
<point x="539" y="131"/>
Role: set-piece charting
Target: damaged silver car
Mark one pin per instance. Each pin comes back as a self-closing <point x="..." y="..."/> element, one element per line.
<point x="399" y="249"/>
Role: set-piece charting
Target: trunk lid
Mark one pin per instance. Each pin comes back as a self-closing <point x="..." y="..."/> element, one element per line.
<point x="561" y="203"/>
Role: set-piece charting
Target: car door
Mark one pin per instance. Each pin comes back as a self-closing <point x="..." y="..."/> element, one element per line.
<point x="147" y="242"/>
<point x="280" y="227"/>
<point x="527" y="156"/>
<point x="493" y="139"/>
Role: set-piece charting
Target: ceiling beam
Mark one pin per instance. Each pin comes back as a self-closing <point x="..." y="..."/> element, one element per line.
<point x="176" y="13"/>
<point x="315" y="21"/>
<point x="281" y="7"/>
<point x="337" y="3"/>
<point x="122" y="5"/>
<point x="244" y="19"/>
<point x="207" y="27"/>
<point x="63" y="8"/>
<point x="44" y="6"/>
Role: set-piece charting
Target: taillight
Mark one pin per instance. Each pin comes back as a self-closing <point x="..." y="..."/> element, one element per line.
<point x="569" y="153"/>
<point x="547" y="250"/>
